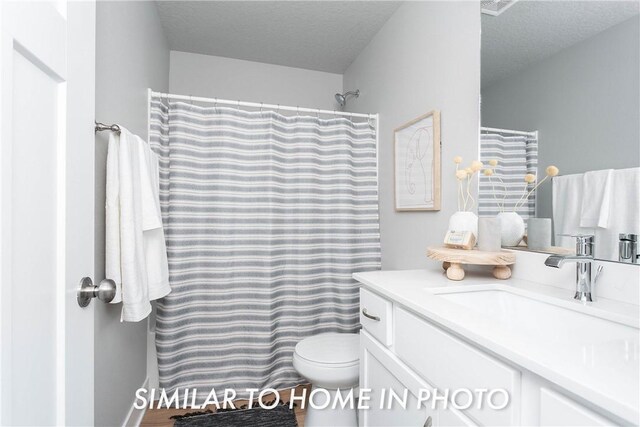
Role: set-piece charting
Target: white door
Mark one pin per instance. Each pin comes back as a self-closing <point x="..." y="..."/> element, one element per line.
<point x="47" y="72"/>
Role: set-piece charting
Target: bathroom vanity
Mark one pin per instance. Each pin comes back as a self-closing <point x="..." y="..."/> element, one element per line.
<point x="562" y="362"/>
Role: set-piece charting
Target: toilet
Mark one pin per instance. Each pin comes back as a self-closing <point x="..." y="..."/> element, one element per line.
<point x="329" y="361"/>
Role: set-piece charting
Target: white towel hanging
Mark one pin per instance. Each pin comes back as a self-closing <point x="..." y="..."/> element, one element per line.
<point x="136" y="257"/>
<point x="595" y="208"/>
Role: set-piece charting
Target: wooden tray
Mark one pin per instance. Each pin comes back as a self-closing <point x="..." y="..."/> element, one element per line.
<point x="454" y="259"/>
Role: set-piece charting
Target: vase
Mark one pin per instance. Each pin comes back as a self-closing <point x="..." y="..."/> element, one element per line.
<point x="464" y="221"/>
<point x="539" y="234"/>
<point x="489" y="235"/>
<point x="511" y="228"/>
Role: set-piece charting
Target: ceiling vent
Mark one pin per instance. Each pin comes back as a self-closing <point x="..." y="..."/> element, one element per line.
<point x="495" y="7"/>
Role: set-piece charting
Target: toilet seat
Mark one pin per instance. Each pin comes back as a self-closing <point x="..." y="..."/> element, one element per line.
<point x="332" y="349"/>
<point x="331" y="362"/>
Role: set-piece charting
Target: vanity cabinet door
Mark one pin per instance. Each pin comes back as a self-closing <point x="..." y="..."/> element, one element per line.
<point x="447" y="362"/>
<point x="450" y="417"/>
<point x="559" y="410"/>
<point x="375" y="376"/>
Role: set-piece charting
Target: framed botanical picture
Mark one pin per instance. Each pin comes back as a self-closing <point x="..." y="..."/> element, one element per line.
<point x="417" y="164"/>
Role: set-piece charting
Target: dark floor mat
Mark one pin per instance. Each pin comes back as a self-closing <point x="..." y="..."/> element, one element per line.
<point x="280" y="416"/>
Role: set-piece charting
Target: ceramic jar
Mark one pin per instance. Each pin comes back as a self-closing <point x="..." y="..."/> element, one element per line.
<point x="539" y="234"/>
<point x="464" y="221"/>
<point x="489" y="235"/>
<point x="511" y="228"/>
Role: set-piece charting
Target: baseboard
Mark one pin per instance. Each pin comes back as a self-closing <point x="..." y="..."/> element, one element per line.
<point x="134" y="417"/>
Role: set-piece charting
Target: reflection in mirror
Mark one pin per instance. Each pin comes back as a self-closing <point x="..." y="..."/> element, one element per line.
<point x="560" y="92"/>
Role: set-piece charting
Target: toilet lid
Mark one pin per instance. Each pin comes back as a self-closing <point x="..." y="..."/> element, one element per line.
<point x="330" y="348"/>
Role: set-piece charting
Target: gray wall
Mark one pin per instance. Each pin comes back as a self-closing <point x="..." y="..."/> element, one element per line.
<point x="132" y="54"/>
<point x="426" y="57"/>
<point x="218" y="77"/>
<point x="584" y="101"/>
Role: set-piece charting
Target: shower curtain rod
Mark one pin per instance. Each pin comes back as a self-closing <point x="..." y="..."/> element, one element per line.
<point x="260" y="105"/>
<point x="511" y="132"/>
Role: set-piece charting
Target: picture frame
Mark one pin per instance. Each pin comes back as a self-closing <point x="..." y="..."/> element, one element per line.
<point x="416" y="159"/>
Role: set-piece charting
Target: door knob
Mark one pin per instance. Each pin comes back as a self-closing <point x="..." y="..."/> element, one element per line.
<point x="105" y="291"/>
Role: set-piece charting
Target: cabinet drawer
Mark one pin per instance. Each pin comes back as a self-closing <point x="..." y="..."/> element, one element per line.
<point x="449" y="363"/>
<point x="558" y="410"/>
<point x="375" y="316"/>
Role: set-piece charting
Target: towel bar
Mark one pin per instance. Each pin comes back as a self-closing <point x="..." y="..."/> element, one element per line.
<point x="101" y="126"/>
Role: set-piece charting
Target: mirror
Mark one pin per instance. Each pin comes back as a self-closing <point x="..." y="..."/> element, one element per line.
<point x="560" y="87"/>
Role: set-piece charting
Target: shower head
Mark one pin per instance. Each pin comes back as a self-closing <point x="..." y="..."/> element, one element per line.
<point x="342" y="97"/>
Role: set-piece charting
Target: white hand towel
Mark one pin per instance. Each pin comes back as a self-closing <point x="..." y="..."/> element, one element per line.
<point x="624" y="213"/>
<point x="136" y="252"/>
<point x="567" y="203"/>
<point x="154" y="242"/>
<point x="135" y="289"/>
<point x="596" y="207"/>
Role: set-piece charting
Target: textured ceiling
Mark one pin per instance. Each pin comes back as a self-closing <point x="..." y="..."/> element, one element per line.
<point x="532" y="30"/>
<point x="316" y="35"/>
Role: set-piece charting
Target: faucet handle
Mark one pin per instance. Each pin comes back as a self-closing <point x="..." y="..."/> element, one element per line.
<point x="584" y="243"/>
<point x="584" y="237"/>
<point x="628" y="236"/>
<point x="598" y="273"/>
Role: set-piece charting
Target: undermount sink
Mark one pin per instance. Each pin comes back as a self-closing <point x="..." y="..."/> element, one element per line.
<point x="547" y="318"/>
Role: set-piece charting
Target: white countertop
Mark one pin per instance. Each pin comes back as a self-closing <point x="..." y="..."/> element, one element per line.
<point x="605" y="372"/>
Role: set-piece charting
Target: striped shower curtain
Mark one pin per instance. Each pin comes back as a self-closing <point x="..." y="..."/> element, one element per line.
<point x="516" y="156"/>
<point x="266" y="218"/>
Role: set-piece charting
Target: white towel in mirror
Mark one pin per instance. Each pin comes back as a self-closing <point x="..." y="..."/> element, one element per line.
<point x="624" y="212"/>
<point x="567" y="205"/>
<point x="596" y="207"/>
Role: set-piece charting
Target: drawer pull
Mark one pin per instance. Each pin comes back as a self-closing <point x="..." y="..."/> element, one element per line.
<point x="370" y="316"/>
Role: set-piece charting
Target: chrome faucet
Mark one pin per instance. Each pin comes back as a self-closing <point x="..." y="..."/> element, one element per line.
<point x="628" y="248"/>
<point x="582" y="258"/>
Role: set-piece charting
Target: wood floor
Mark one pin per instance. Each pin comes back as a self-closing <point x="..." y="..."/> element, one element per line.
<point x="162" y="417"/>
